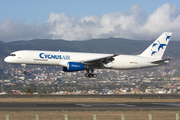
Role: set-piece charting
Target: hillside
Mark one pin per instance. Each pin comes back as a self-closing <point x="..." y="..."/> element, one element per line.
<point x="110" y="45"/>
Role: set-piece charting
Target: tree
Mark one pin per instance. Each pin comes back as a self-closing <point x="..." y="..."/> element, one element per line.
<point x="29" y="91"/>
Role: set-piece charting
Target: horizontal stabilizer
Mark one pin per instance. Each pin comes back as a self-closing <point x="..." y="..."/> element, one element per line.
<point x="160" y="61"/>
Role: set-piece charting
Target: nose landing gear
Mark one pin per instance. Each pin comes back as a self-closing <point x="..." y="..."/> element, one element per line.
<point x="24" y="68"/>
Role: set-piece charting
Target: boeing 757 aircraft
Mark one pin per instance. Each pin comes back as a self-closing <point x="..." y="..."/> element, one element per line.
<point x="77" y="61"/>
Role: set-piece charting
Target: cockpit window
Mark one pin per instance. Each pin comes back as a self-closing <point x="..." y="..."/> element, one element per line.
<point x="13" y="54"/>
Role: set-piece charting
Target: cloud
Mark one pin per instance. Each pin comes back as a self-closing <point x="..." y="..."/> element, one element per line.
<point x="134" y="24"/>
<point x="164" y="18"/>
<point x="11" y="31"/>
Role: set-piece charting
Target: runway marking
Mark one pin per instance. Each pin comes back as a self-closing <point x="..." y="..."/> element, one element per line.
<point x="84" y="105"/>
<point x="172" y="104"/>
<point x="127" y="105"/>
<point x="91" y="105"/>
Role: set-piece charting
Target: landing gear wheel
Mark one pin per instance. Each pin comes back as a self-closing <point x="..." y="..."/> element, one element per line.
<point x="94" y="75"/>
<point x="90" y="75"/>
<point x="25" y="72"/>
<point x="86" y="75"/>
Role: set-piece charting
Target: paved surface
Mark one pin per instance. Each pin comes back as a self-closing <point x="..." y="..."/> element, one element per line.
<point x="162" y="96"/>
<point x="89" y="106"/>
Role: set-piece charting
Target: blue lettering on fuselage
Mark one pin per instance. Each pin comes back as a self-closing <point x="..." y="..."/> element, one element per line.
<point x="51" y="56"/>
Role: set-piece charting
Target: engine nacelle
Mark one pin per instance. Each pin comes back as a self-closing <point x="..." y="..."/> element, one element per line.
<point x="75" y="66"/>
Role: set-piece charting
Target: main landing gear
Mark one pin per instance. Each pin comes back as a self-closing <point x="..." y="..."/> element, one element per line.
<point x="24" y="68"/>
<point x="90" y="75"/>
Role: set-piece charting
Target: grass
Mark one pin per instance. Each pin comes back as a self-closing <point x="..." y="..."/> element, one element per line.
<point x="87" y="100"/>
<point x="88" y="115"/>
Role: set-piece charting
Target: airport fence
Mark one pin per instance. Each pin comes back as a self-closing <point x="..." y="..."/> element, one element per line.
<point x="93" y="117"/>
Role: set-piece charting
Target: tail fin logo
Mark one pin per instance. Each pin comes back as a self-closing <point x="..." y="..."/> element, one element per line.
<point x="168" y="37"/>
<point x="154" y="44"/>
<point x="161" y="46"/>
<point x="158" y="47"/>
<point x="153" y="52"/>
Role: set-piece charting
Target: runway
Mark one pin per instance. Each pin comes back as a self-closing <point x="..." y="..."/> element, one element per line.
<point x="88" y="106"/>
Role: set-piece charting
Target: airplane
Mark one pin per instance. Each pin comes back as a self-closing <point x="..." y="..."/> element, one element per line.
<point x="78" y="61"/>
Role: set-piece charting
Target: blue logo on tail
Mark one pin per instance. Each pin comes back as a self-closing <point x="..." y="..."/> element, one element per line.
<point x="168" y="37"/>
<point x="155" y="49"/>
<point x="153" y="52"/>
<point x="154" y="44"/>
<point x="161" y="46"/>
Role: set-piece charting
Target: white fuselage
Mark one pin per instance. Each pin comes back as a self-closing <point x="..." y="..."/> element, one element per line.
<point x="120" y="62"/>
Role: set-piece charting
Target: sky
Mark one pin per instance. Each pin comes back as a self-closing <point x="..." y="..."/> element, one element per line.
<point x="88" y="19"/>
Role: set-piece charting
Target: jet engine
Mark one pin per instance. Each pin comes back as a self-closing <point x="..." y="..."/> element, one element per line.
<point x="75" y="66"/>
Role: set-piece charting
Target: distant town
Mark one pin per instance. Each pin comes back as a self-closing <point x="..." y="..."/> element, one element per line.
<point x="52" y="80"/>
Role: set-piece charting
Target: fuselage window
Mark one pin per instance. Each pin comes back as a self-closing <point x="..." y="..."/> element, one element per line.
<point x="13" y="54"/>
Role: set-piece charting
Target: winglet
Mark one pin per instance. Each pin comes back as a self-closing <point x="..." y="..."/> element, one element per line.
<point x="116" y="54"/>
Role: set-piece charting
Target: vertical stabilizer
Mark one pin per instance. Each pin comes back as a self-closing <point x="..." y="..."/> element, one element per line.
<point x="158" y="47"/>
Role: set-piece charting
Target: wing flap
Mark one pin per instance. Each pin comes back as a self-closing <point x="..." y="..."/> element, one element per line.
<point x="102" y="60"/>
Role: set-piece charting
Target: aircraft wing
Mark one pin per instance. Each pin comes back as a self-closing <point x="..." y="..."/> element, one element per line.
<point x="102" y="60"/>
<point x="160" y="61"/>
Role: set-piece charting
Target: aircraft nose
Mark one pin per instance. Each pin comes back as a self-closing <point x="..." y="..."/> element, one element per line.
<point x="7" y="59"/>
